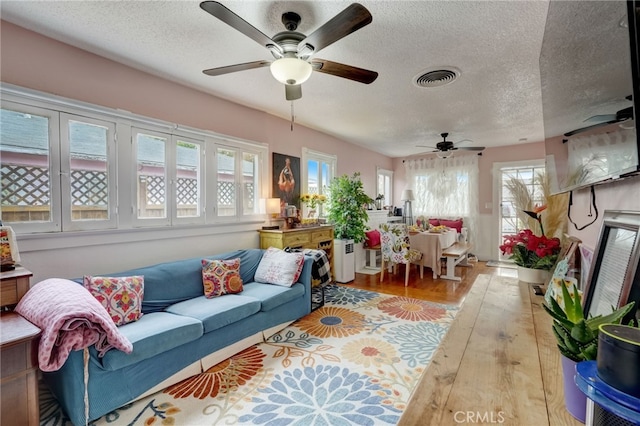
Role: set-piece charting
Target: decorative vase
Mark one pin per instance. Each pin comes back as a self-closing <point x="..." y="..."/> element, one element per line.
<point x="533" y="276"/>
<point x="574" y="400"/>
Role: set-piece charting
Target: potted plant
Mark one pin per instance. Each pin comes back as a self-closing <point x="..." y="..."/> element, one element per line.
<point x="346" y="211"/>
<point x="534" y="255"/>
<point x="577" y="339"/>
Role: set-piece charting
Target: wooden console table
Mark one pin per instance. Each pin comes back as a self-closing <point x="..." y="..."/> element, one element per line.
<point x="316" y="237"/>
<point x="498" y="364"/>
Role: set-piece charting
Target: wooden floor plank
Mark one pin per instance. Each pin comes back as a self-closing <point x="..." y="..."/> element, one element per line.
<point x="427" y="404"/>
<point x="499" y="376"/>
<point x="498" y="364"/>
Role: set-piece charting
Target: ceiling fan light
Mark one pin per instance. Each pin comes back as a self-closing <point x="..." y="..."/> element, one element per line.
<point x="444" y="154"/>
<point x="291" y="70"/>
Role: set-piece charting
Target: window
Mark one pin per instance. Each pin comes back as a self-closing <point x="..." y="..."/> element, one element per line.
<point x="188" y="188"/>
<point x="88" y="173"/>
<point x="446" y="188"/>
<point x="150" y="150"/>
<point x="317" y="169"/>
<point x="62" y="169"/>
<point x="29" y="160"/>
<point x="238" y="186"/>
<point x="385" y="185"/>
<point x="530" y="176"/>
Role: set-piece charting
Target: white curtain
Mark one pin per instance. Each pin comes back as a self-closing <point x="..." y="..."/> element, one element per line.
<point x="599" y="156"/>
<point x="446" y="188"/>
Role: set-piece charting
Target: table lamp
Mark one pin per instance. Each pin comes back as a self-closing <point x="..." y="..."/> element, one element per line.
<point x="407" y="215"/>
<point x="272" y="207"/>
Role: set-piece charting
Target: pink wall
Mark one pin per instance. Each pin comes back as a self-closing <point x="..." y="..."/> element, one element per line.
<point x="30" y="60"/>
<point x="33" y="61"/>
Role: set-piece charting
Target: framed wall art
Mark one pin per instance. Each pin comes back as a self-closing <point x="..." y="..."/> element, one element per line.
<point x="286" y="179"/>
<point x="614" y="277"/>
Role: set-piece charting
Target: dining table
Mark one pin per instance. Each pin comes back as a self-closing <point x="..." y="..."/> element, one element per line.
<point x="431" y="245"/>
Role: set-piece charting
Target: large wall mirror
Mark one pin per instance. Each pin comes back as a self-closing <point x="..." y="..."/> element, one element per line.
<point x="614" y="277"/>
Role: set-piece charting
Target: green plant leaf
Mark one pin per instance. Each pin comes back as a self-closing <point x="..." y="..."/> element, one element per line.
<point x="557" y="313"/>
<point x="614" y="317"/>
<point x="581" y="332"/>
<point x="572" y="305"/>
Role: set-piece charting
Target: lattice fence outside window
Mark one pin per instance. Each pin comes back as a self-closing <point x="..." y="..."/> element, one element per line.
<point x="187" y="191"/>
<point x="25" y="185"/>
<point x="89" y="188"/>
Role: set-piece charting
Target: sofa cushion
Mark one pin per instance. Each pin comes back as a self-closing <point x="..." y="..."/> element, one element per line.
<point x="434" y="222"/>
<point x="279" y="267"/>
<point x="217" y="312"/>
<point x="455" y="224"/>
<point x="272" y="296"/>
<point x="221" y="277"/>
<point x="151" y="335"/>
<point x="120" y="296"/>
<point x="372" y="238"/>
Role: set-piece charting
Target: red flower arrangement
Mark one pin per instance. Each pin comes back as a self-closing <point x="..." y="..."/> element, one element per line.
<point x="529" y="250"/>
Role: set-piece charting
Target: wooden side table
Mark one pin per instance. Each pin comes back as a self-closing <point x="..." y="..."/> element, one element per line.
<point x="18" y="355"/>
<point x="13" y="285"/>
<point x="19" y="383"/>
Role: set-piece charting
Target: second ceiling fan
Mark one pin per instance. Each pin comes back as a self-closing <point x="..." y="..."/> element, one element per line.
<point x="445" y="148"/>
<point x="293" y="51"/>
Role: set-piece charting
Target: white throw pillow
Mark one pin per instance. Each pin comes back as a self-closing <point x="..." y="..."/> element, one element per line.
<point x="279" y="267"/>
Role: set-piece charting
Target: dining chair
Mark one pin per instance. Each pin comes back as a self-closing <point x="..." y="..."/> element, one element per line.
<point x="394" y="241"/>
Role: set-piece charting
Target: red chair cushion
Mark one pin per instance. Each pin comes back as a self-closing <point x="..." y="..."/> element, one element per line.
<point x="372" y="238"/>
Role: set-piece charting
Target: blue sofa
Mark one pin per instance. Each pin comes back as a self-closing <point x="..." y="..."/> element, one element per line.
<point x="180" y="333"/>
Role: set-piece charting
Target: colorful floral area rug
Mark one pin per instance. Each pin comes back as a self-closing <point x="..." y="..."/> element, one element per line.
<point x="356" y="360"/>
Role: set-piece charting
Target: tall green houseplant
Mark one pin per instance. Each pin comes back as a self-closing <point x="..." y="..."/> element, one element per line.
<point x="347" y="207"/>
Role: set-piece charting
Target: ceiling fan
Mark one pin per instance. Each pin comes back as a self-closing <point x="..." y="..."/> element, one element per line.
<point x="445" y="148"/>
<point x="293" y="51"/>
<point x="620" y="116"/>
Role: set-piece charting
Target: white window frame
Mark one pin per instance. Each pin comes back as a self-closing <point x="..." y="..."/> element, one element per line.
<point x="173" y="179"/>
<point x="320" y="157"/>
<point x="124" y="201"/>
<point x="168" y="156"/>
<point x="260" y="178"/>
<point x="55" y="222"/>
<point x="388" y="195"/>
<point x="68" y="224"/>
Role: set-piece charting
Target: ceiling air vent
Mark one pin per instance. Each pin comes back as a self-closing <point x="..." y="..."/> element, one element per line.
<point x="436" y="78"/>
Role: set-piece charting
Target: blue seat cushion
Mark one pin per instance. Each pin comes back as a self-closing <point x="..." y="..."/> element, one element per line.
<point x="217" y="312"/>
<point x="152" y="334"/>
<point x="271" y="296"/>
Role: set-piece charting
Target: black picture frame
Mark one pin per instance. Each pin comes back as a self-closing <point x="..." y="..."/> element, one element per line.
<point x="614" y="276"/>
<point x="281" y="191"/>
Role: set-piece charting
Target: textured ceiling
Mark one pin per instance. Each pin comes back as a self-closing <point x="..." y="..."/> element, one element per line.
<point x="496" y="45"/>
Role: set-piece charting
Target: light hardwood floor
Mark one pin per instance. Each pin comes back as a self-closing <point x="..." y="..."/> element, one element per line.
<point x="438" y="290"/>
<point x="498" y="364"/>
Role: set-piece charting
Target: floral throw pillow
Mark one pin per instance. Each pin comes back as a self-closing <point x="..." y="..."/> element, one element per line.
<point x="221" y="277"/>
<point x="120" y="296"/>
<point x="279" y="267"/>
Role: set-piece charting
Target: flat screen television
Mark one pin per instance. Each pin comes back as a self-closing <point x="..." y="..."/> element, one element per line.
<point x="590" y="96"/>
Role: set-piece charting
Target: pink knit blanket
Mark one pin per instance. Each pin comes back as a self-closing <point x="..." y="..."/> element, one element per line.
<point x="70" y="319"/>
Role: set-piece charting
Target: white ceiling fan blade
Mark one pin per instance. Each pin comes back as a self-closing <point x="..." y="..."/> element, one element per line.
<point x="463" y="142"/>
